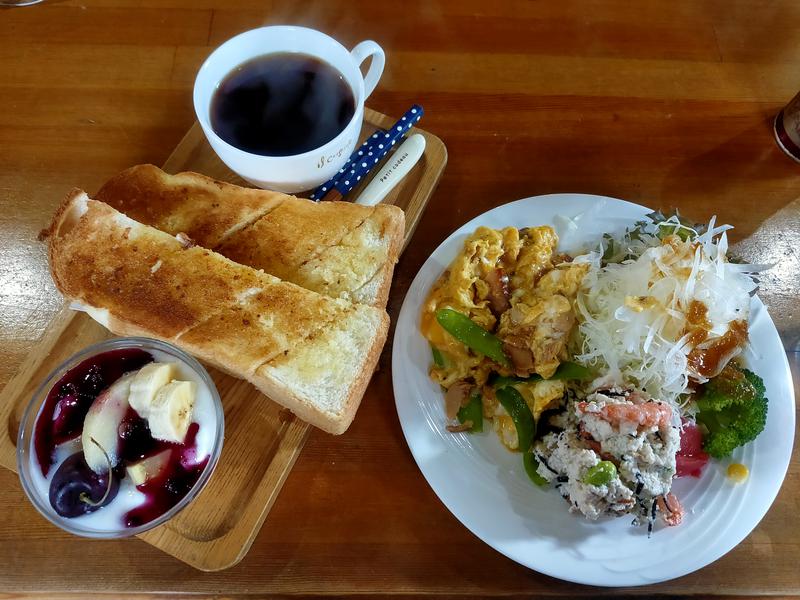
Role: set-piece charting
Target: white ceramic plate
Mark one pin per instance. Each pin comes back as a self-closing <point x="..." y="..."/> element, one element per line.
<point x="486" y="488"/>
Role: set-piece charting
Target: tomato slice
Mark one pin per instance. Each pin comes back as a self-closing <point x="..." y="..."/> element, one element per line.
<point x="690" y="459"/>
<point x="691" y="466"/>
<point x="691" y="439"/>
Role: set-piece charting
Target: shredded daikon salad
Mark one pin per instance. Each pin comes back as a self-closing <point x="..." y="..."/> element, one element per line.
<point x="634" y="302"/>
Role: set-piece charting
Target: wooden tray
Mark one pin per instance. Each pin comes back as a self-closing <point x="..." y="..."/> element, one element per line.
<point x="262" y="441"/>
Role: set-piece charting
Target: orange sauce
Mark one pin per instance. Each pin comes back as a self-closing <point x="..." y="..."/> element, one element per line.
<point x="697" y="318"/>
<point x="696" y="336"/>
<point x="707" y="362"/>
<point x="697" y="315"/>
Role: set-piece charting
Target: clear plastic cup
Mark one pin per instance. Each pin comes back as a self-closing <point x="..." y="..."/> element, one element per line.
<point x="26" y="456"/>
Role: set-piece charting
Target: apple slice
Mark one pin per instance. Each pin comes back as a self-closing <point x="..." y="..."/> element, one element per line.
<point x="100" y="437"/>
<point x="148" y="468"/>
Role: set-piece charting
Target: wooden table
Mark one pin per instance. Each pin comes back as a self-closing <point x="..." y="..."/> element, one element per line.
<point x="665" y="103"/>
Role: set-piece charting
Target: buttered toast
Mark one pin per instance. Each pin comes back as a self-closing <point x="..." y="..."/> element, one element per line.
<point x="309" y="352"/>
<point x="339" y="249"/>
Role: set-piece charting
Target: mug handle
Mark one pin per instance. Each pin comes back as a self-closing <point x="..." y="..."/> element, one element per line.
<point x="363" y="51"/>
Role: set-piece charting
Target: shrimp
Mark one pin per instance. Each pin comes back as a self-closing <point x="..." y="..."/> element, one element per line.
<point x="671" y="509"/>
<point x="595" y="445"/>
<point x="647" y="414"/>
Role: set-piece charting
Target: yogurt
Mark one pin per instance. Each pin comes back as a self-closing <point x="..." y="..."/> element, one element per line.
<point x="132" y="506"/>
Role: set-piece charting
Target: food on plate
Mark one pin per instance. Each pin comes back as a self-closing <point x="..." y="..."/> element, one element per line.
<point x="99" y="460"/>
<point x="612" y="371"/>
<point x="664" y="308"/>
<point x="340" y="249"/>
<point x="311" y="353"/>
<point x="498" y="282"/>
<point x="631" y="434"/>
<point x="691" y="459"/>
<point x="733" y="408"/>
<point x="738" y="473"/>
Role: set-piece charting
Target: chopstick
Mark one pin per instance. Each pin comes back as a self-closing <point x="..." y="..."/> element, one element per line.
<point x="369" y="154"/>
<point x="362" y="150"/>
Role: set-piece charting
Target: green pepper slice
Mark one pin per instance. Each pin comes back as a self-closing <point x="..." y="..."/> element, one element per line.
<point x="520" y="413"/>
<point x="472" y="335"/>
<point x="566" y="371"/>
<point x="600" y="474"/>
<point x="569" y="371"/>
<point x="531" y="468"/>
<point x="473" y="412"/>
<point x="502" y="381"/>
<point x="438" y="358"/>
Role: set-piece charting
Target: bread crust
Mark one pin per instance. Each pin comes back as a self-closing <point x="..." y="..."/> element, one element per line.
<point x="337" y="423"/>
<point x="298" y="240"/>
<point x="207" y="210"/>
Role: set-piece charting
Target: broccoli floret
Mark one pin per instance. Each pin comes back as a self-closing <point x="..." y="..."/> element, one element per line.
<point x="732" y="386"/>
<point x="733" y="407"/>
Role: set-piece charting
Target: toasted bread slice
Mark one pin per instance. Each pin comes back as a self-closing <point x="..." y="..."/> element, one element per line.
<point x="339" y="249"/>
<point x="333" y="248"/>
<point x="318" y="368"/>
<point x="206" y="210"/>
<point x="137" y="280"/>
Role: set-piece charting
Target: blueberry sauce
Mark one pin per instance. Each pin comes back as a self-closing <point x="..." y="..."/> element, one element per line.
<point x="172" y="484"/>
<point x="137" y="442"/>
<point x="68" y="401"/>
<point x="75" y="489"/>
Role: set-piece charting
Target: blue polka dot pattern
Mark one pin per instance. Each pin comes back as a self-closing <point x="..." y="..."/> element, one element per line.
<point x="376" y="147"/>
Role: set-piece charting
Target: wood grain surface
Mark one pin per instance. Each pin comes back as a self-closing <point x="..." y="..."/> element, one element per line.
<point x="666" y="103"/>
<point x="262" y="440"/>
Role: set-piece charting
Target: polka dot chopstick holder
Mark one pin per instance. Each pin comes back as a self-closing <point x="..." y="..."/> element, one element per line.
<point x="365" y="158"/>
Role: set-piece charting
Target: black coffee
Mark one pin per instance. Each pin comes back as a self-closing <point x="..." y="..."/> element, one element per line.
<point x="281" y="104"/>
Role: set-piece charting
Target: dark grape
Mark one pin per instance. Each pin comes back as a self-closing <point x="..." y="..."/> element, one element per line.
<point x="70" y="410"/>
<point x="67" y="417"/>
<point x="74" y="483"/>
<point x="94" y="382"/>
<point x="137" y="442"/>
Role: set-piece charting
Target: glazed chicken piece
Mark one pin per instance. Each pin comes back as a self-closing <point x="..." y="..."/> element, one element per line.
<point x="535" y="335"/>
<point x="535" y="331"/>
<point x="506" y="282"/>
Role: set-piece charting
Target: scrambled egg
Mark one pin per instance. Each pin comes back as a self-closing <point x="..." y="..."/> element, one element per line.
<point x="541" y="319"/>
<point x="464" y="289"/>
<point x="536" y="326"/>
<point x="516" y="270"/>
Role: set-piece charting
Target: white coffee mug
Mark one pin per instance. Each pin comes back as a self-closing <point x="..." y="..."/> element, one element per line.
<point x="297" y="172"/>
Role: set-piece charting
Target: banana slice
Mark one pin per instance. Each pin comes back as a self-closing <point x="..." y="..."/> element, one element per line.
<point x="171" y="411"/>
<point x="148" y="468"/>
<point x="148" y="380"/>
